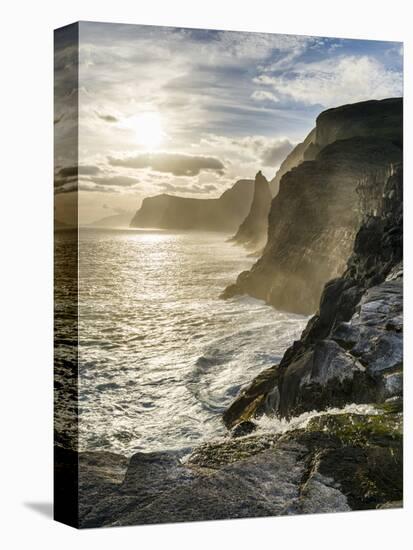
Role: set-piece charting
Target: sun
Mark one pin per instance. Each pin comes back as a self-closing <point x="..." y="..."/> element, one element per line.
<point x="147" y="128"/>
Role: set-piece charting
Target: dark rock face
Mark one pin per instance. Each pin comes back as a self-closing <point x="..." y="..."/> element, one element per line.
<point x="182" y="213"/>
<point x="351" y="350"/>
<point x="336" y="463"/>
<point x="305" y="150"/>
<point x="379" y="118"/>
<point x="313" y="222"/>
<point x="253" y="230"/>
<point x="368" y="118"/>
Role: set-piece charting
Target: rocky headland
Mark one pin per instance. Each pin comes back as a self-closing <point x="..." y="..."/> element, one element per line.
<point x="182" y="213"/>
<point x="333" y="463"/>
<point x="352" y="349"/>
<point x="318" y="210"/>
<point x="365" y="119"/>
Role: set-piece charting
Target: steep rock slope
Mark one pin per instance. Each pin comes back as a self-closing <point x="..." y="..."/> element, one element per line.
<point x="253" y="230"/>
<point x="315" y="216"/>
<point x="302" y="151"/>
<point x="222" y="214"/>
<point x="379" y="118"/>
<point x="351" y="350"/>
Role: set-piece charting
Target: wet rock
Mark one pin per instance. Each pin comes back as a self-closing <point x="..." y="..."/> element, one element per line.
<point x="100" y="476"/>
<point x="335" y="463"/>
<point x="359" y="455"/>
<point x="108" y="492"/>
<point x="214" y="455"/>
<point x="252" y="398"/>
<point x="244" y="428"/>
<point x="152" y="473"/>
<point x="390" y="505"/>
<point x="262" y="485"/>
<point x="318" y="495"/>
<point x="325" y="376"/>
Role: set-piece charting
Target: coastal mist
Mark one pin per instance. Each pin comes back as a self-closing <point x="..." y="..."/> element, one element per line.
<point x="160" y="355"/>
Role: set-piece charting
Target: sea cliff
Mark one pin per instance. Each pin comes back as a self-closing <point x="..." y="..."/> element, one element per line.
<point x="183" y="213"/>
<point x="318" y="210"/>
<point x="351" y="350"/>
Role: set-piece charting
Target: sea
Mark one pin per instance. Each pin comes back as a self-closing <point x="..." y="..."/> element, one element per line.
<point x="160" y="355"/>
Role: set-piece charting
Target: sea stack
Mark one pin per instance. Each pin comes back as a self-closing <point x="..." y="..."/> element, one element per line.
<point x="253" y="230"/>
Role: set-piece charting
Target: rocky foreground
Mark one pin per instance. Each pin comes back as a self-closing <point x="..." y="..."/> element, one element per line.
<point x="336" y="463"/>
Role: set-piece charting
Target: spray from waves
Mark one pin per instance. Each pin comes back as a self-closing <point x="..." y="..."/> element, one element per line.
<point x="268" y="424"/>
<point x="160" y="355"/>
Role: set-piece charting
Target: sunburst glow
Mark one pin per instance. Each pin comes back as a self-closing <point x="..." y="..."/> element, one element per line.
<point x="147" y="128"/>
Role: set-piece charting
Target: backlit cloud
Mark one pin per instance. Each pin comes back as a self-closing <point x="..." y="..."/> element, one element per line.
<point x="107" y="118"/>
<point x="228" y="104"/>
<point x="173" y="163"/>
<point x="333" y="82"/>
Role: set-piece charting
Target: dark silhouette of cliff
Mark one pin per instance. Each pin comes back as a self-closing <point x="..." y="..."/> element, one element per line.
<point x="253" y="230"/>
<point x="222" y="214"/>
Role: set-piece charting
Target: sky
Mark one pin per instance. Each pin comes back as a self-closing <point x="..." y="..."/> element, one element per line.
<point x="189" y="112"/>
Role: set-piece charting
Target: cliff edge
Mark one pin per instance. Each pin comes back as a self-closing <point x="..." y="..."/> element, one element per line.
<point x="315" y="216"/>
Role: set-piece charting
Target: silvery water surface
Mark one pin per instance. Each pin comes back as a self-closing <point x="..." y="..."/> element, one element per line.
<point x="160" y="354"/>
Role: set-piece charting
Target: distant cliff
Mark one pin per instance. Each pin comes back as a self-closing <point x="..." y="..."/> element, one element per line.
<point x="115" y="220"/>
<point x="253" y="230"/>
<point x="222" y="214"/>
<point x="315" y="216"/>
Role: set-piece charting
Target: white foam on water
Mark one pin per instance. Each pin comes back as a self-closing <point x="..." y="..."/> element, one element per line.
<point x="161" y="356"/>
<point x="268" y="424"/>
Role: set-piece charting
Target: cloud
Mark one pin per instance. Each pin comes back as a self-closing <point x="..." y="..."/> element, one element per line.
<point x="250" y="90"/>
<point x="107" y="118"/>
<point x="77" y="170"/>
<point x="115" y="181"/>
<point x="260" y="95"/>
<point x="89" y="186"/>
<point x="260" y="150"/>
<point x="333" y="82"/>
<point x="173" y="163"/>
<point x="274" y="154"/>
<point x="193" y="189"/>
<point x="84" y="177"/>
